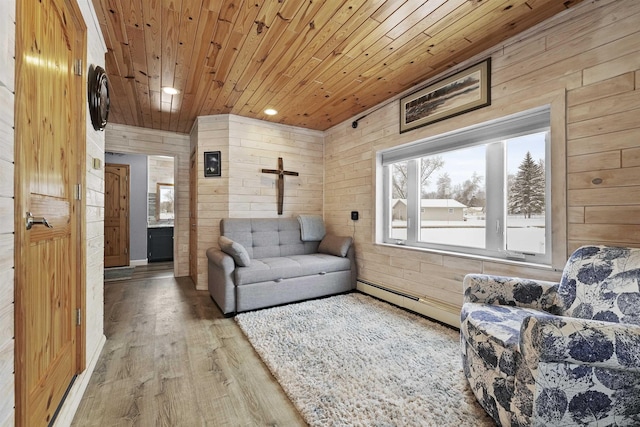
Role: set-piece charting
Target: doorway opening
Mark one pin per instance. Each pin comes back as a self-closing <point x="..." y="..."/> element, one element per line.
<point x="151" y="211"/>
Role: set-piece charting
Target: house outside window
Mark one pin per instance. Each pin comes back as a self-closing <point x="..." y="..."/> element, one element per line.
<point x="482" y="190"/>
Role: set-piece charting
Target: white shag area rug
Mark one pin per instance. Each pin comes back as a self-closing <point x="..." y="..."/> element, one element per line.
<point x="352" y="360"/>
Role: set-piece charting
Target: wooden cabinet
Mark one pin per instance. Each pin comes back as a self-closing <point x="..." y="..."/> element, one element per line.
<point x="160" y="244"/>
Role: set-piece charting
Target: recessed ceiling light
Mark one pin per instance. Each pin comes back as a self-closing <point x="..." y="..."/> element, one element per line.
<point x="270" y="112"/>
<point x="170" y="90"/>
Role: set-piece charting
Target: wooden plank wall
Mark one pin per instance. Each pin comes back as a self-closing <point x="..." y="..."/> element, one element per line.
<point x="7" y="69"/>
<point x="210" y="133"/>
<point x="134" y="140"/>
<point x="94" y="198"/>
<point x="591" y="54"/>
<point x="243" y="191"/>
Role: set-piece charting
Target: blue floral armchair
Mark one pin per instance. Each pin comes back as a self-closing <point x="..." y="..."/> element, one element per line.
<point x="566" y="354"/>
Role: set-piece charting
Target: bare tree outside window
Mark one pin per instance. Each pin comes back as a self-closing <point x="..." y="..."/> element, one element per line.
<point x="443" y="186"/>
<point x="427" y="167"/>
<point x="470" y="192"/>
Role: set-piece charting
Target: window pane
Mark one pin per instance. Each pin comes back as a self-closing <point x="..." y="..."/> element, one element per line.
<point x="399" y="189"/>
<point x="526" y="194"/>
<point x="453" y="197"/>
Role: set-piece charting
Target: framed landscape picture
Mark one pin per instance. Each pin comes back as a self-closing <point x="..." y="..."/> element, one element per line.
<point x="464" y="91"/>
<point x="212" y="164"/>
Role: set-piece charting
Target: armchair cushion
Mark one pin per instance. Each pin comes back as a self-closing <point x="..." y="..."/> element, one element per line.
<point x="602" y="283"/>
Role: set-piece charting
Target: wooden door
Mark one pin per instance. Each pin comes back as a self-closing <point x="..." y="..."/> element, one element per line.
<point x="50" y="134"/>
<point x="193" y="218"/>
<point x="116" y="215"/>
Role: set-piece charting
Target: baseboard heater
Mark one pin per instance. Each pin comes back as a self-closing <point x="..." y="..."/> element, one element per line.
<point x="439" y="310"/>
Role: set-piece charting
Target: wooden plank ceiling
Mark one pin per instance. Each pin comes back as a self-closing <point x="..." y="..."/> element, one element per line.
<point x="318" y="62"/>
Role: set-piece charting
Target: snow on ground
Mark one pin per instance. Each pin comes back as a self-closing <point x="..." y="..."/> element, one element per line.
<point x="523" y="235"/>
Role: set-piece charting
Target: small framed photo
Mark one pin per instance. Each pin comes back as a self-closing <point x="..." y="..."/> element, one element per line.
<point x="212" y="164"/>
<point x="464" y="91"/>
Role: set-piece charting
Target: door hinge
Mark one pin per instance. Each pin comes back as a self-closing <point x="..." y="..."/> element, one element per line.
<point x="78" y="317"/>
<point x="126" y="251"/>
<point x="77" y="67"/>
<point x="78" y="194"/>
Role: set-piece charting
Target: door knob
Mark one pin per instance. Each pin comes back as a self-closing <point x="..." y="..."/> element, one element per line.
<point x="31" y="221"/>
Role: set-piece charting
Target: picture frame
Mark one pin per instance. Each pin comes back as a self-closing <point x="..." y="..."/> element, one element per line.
<point x="460" y="93"/>
<point x="212" y="164"/>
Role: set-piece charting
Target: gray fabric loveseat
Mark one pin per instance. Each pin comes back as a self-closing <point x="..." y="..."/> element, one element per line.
<point x="271" y="261"/>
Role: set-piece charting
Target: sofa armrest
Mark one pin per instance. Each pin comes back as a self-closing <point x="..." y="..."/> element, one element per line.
<point x="502" y="290"/>
<point x="220" y="280"/>
<point x="220" y="259"/>
<point x="558" y="339"/>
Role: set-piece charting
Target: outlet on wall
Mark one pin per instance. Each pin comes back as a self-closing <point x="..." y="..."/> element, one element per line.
<point x="354" y="215"/>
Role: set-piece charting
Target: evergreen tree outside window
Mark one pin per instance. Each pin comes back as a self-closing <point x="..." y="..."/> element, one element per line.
<point x="526" y="195"/>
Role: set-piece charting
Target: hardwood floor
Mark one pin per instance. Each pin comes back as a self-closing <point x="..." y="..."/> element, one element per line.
<point x="172" y="359"/>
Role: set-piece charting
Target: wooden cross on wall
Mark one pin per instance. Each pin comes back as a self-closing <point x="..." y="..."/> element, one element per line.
<point x="281" y="173"/>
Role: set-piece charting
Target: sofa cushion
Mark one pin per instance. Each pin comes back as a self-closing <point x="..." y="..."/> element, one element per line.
<point x="335" y="245"/>
<point x="267" y="237"/>
<point x="494" y="332"/>
<point x="286" y="267"/>
<point x="235" y="250"/>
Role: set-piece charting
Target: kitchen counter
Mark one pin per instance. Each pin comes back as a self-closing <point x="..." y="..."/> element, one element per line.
<point x="159" y="224"/>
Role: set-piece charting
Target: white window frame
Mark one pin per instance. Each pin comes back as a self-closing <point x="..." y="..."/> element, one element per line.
<point x="492" y="134"/>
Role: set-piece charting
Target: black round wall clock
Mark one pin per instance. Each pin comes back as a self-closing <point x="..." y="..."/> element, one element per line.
<point x="98" y="97"/>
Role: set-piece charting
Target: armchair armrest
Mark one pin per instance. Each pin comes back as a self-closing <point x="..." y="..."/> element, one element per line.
<point x="581" y="342"/>
<point x="501" y="290"/>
